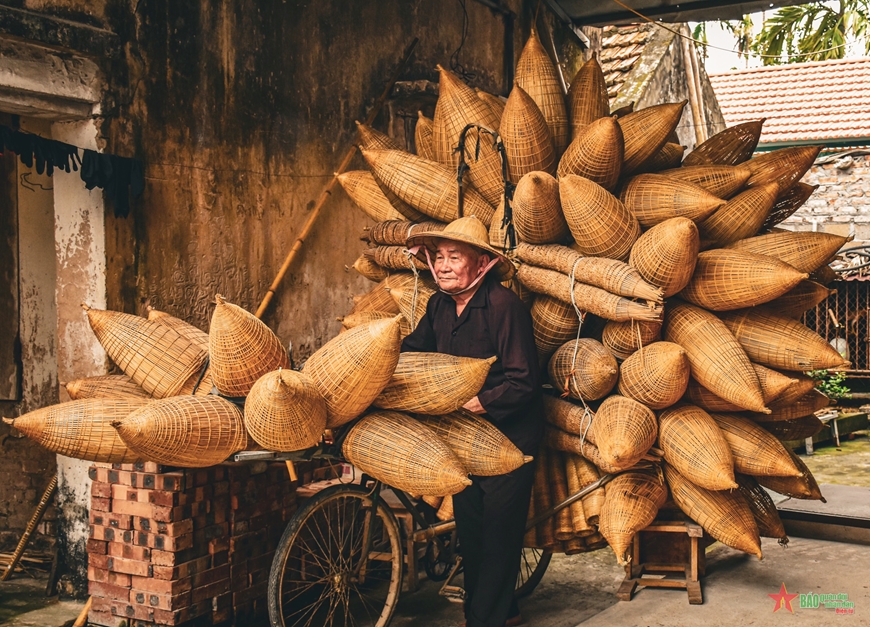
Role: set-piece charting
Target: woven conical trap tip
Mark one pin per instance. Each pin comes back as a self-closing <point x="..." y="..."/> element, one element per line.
<point x="795" y="429"/>
<point x="596" y="153"/>
<point x="773" y="386"/>
<point x="568" y="417"/>
<point x="433" y="383"/>
<point x="653" y="198"/>
<point x="553" y="324"/>
<point x="187" y="431"/>
<point x="624" y="338"/>
<point x="741" y="216"/>
<point x="583" y="369"/>
<point x="424" y="139"/>
<point x="646" y="131"/>
<point x="81" y="429"/>
<point x="785" y="166"/>
<point x="732" y="146"/>
<point x="587" y="97"/>
<point x="537" y="213"/>
<point x="372" y="139"/>
<point x="724" y="514"/>
<point x="526" y="137"/>
<point x="632" y="501"/>
<point x="365" y="192"/>
<point x="693" y="444"/>
<point x="763" y="509"/>
<point x="804" y="250"/>
<point x="479" y="445"/>
<point x="185" y="329"/>
<point x="352" y="369"/>
<point x="656" y="375"/>
<point x="105" y="386"/>
<point x="285" y="412"/>
<point x="154" y="356"/>
<point x="788" y="202"/>
<point x="402" y="452"/>
<point x="600" y="224"/>
<point x="807" y="404"/>
<point x="241" y="349"/>
<point x="803" y="487"/>
<point x="755" y="451"/>
<point x="666" y="254"/>
<point x="803" y="297"/>
<point x="722" y="181"/>
<point x="624" y="431"/>
<point x="537" y="75"/>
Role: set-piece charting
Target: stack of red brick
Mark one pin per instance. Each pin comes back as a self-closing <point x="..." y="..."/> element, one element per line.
<point x="184" y="546"/>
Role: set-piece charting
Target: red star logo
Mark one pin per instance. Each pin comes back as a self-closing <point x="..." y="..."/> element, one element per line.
<point x="783" y="599"/>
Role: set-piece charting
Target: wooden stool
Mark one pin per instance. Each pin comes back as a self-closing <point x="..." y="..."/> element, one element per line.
<point x="666" y="548"/>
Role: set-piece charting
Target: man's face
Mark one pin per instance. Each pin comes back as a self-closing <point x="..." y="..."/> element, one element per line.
<point x="457" y="265"/>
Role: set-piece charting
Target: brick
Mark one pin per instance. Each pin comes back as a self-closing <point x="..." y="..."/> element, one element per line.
<point x="129" y="551"/>
<point x="103" y="490"/>
<point x="100" y="504"/>
<point x="147" y="510"/>
<point x="211" y="575"/>
<point x="239" y="576"/>
<point x="131" y="567"/>
<point x="99" y="561"/>
<point x="105" y="619"/>
<point x="109" y="519"/>
<point x="183" y="570"/>
<point x="210" y="590"/>
<point x="170" y="529"/>
<point x="96" y="547"/>
<point x="161" y="601"/>
<point x="103" y="575"/>
<point x="163" y="542"/>
<point x="249" y="594"/>
<point x="98" y="532"/>
<point x="162" y="586"/>
<point x="108" y="591"/>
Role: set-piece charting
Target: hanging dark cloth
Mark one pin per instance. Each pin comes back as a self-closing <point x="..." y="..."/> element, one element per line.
<point x="44" y="154"/>
<point x="119" y="176"/>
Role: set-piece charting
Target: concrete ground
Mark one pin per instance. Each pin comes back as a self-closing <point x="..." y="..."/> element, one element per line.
<point x="847" y="465"/>
<point x="23" y="604"/>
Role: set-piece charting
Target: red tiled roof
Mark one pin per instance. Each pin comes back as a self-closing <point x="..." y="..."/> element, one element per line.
<point x="822" y="100"/>
<point x="621" y="47"/>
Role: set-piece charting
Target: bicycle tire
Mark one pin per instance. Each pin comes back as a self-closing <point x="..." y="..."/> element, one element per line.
<point x="318" y="552"/>
<point x="533" y="565"/>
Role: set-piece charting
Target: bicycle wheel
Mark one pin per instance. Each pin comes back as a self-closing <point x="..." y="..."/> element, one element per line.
<point x="533" y="565"/>
<point x="316" y="577"/>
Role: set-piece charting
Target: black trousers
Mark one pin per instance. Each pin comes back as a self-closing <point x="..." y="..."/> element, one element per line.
<point x="491" y="519"/>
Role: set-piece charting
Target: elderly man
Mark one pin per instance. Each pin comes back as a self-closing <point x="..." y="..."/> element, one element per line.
<point x="473" y="315"/>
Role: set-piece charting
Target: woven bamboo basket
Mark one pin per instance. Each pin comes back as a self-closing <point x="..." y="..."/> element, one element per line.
<point x="805" y="250"/>
<point x="351" y="321"/>
<point x="667" y="158"/>
<point x="808" y="404"/>
<point x="725" y="515"/>
<point x="377" y="299"/>
<point x="427" y="186"/>
<point x="81" y="429"/>
<point x="483" y="449"/>
<point x="495" y="103"/>
<point x="241" y="349"/>
<point x="803" y="487"/>
<point x="695" y="446"/>
<point x="352" y="369"/>
<point x="780" y="342"/>
<point x="537" y="76"/>
<point x="656" y="375"/>
<point x="763" y="509"/>
<point x="156" y="357"/>
<point x="624" y="431"/>
<point x="646" y="131"/>
<point x="610" y="275"/>
<point x="795" y="429"/>
<point x="569" y="417"/>
<point x="394" y="258"/>
<point x="553" y="324"/>
<point x="755" y="451"/>
<point x="633" y="501"/>
<point x="589" y="375"/>
<point x="717" y="359"/>
<point x="413" y="309"/>
<point x="371" y="139"/>
<point x="624" y="338"/>
<point x="424" y="138"/>
<point x="665" y="255"/>
<point x="824" y="275"/>
<point x="433" y="383"/>
<point x="580" y="525"/>
<point x="802" y="386"/>
<point x="723" y="181"/>
<point x="187" y="431"/>
<point x="285" y="412"/>
<point x="536" y="210"/>
<point x="433" y="501"/>
<point x="369" y="269"/>
<point x="564" y="526"/>
<point x="527" y="142"/>
<point x="596" y="153"/>
<point x="773" y="385"/>
<point x="600" y="223"/>
<point x="801" y="298"/>
<point x="558" y="440"/>
<point x="653" y="198"/>
<point x="107" y="386"/>
<point x="732" y="146"/>
<point x="587" y="97"/>
<point x="497" y="229"/>
<point x="587" y="473"/>
<point x="588" y="298"/>
<point x="186" y="330"/>
<point x="365" y="192"/>
<point x="445" y="512"/>
<point x="405" y="454"/>
<point x="543" y="499"/>
<point x="725" y="280"/>
<point x="397" y="232"/>
<point x="785" y="166"/>
<point x="740" y="217"/>
<point x="788" y="202"/>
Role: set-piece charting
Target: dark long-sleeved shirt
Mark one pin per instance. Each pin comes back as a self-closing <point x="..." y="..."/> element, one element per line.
<point x="495" y="322"/>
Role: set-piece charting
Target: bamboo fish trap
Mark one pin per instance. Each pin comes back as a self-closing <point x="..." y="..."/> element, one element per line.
<point x="600" y="223"/>
<point x="666" y="254"/>
<point x="482" y="449"/>
<point x="723" y="181"/>
<point x="241" y="349"/>
<point x="795" y="429"/>
<point x="526" y="137"/>
<point x="372" y="139"/>
<point x="654" y="198"/>
<point x="788" y="202"/>
<point x="352" y="369"/>
<point x="285" y="412"/>
<point x="656" y="375"/>
<point x="369" y="269"/>
<point x="717" y="359"/>
<point x="668" y="158"/>
<point x="81" y="429"/>
<point x="587" y="97"/>
<point x="802" y="487"/>
<point x="378" y="298"/>
<point x="412" y="306"/>
<point x="433" y="383"/>
<point x="624" y="338"/>
<point x="186" y="330"/>
<point x="740" y="217"/>
<point x="397" y="232"/>
<point x="583" y="369"/>
<point x="424" y="139"/>
<point x="187" y="431"/>
<point x="537" y="76"/>
<point x="646" y="131"/>
<point x="156" y="357"/>
<point x="495" y="103"/>
<point x="553" y="324"/>
<point x="366" y="194"/>
<point x="800" y="299"/>
<point x="537" y="213"/>
<point x="755" y="451"/>
<point x="805" y="250"/>
<point x="785" y="166"/>
<point x="732" y="146"/>
<point x="763" y="509"/>
<point x="632" y="503"/>
<point x="394" y="258"/>
<point x="568" y="417"/>
<point x="118" y="386"/>
<point x="773" y="385"/>
<point x="803" y="385"/>
<point x="725" y="280"/>
<point x="596" y="153"/>
<point x="694" y="445"/>
<point x="404" y="453"/>
<point x="558" y="440"/>
<point x="624" y="431"/>
<point x="724" y="514"/>
<point x="807" y="404"/>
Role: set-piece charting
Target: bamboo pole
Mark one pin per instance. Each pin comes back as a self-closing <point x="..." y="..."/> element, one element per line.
<point x="82" y="620"/>
<point x="31" y="526"/>
<point x="327" y="191"/>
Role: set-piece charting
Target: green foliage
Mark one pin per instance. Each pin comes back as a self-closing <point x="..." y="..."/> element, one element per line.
<point x="832" y="384"/>
<point x="700" y="35"/>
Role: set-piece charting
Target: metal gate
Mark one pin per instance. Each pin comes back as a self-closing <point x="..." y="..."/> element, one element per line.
<point x="845" y="318"/>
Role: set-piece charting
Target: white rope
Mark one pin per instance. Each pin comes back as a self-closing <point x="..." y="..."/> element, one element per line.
<point x="580" y="317"/>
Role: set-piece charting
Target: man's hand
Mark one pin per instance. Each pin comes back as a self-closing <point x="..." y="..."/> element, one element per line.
<point x="474" y="406"/>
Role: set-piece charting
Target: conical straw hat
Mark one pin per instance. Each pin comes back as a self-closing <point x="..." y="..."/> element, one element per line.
<point x="583" y="369"/>
<point x="241" y="349"/>
<point x="755" y="451"/>
<point x="693" y="443"/>
<point x="365" y="192"/>
<point x="785" y="166"/>
<point x="285" y="412"/>
<point x="537" y="75"/>
<point x="433" y="383"/>
<point x="666" y="254"/>
<point x="483" y="449"/>
<point x="805" y="250"/>
<point x="763" y="509"/>
<point x="654" y="198"/>
<point x="596" y="153"/>
<point x="656" y="375"/>
<point x="527" y="142"/>
<point x="740" y="217"/>
<point x="724" y="514"/>
<point x="646" y="131"/>
<point x="622" y="339"/>
<point x="801" y="298"/>
<point x="631" y="504"/>
<point x="788" y="202"/>
<point x="732" y="146"/>
<point x="405" y="454"/>
<point x="723" y="181"/>
<point x="587" y="96"/>
<point x="600" y="223"/>
<point x="188" y="431"/>
<point x="424" y="138"/>
<point x="105" y="386"/>
<point x="469" y="230"/>
<point x="351" y="369"/>
<point x="537" y="215"/>
<point x="624" y="431"/>
<point x="81" y="429"/>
